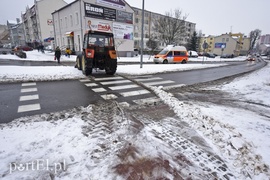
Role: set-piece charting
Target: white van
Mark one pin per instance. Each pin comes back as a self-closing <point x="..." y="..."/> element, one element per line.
<point x="172" y="54"/>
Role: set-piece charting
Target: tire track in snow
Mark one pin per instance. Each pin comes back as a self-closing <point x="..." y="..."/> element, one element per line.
<point x="245" y="162"/>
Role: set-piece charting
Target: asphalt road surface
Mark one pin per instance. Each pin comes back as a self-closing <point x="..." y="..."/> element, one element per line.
<point x="26" y="99"/>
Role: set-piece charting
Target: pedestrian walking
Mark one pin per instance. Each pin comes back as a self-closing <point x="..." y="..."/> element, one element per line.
<point x="57" y="54"/>
<point x="68" y="52"/>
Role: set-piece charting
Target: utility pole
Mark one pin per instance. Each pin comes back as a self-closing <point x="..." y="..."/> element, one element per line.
<point x="142" y="33"/>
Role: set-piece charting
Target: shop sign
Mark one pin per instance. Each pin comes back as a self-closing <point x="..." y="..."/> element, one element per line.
<point x="119" y="4"/>
<point x="99" y="12"/>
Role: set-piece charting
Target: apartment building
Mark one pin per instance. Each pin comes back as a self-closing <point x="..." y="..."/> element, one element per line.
<point x="210" y="40"/>
<point x="37" y="21"/>
<point x="149" y="30"/>
<point x="16" y="32"/>
<point x="264" y="39"/>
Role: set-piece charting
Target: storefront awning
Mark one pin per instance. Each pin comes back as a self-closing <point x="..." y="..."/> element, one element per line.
<point x="70" y="34"/>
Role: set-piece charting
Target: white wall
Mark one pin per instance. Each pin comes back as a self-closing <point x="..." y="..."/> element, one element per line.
<point x="44" y="9"/>
<point x="79" y="26"/>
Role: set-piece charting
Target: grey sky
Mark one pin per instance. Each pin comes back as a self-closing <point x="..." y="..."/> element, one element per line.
<point x="213" y="17"/>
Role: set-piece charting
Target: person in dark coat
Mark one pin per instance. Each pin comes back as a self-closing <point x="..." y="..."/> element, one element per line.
<point x="57" y="54"/>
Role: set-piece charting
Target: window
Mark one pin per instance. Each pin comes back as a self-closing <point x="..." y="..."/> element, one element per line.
<point x="182" y="53"/>
<point x="71" y="21"/>
<point x="223" y="39"/>
<point x="146" y="21"/>
<point x="227" y="40"/>
<point x="169" y="54"/>
<point x="146" y="14"/>
<point x="136" y="20"/>
<point x="177" y="53"/>
<point x="77" y="18"/>
<point x="61" y="23"/>
<point x="66" y="21"/>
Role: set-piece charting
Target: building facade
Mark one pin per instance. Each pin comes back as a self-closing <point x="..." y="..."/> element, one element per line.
<point x="264" y="39"/>
<point x="4" y="36"/>
<point x="149" y="28"/>
<point x="73" y="20"/>
<point x="38" y="23"/>
<point x="236" y="44"/>
<point x="210" y="40"/>
<point x="16" y="33"/>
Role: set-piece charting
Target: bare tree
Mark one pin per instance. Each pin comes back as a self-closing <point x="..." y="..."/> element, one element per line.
<point x="171" y="27"/>
<point x="152" y="43"/>
<point x="254" y="36"/>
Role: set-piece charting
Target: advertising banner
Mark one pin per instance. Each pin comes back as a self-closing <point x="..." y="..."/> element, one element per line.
<point x="124" y="17"/>
<point x="122" y="31"/>
<point x="99" y="12"/>
<point x="98" y="25"/>
<point x="220" y="45"/>
<point x="113" y="3"/>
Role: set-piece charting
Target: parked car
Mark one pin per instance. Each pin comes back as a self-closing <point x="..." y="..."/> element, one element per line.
<point x="210" y="55"/>
<point x="193" y="54"/>
<point x="23" y="48"/>
<point x="251" y="58"/>
<point x="227" y="56"/>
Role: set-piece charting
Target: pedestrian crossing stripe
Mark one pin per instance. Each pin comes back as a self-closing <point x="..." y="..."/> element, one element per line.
<point x="115" y="82"/>
<point x="108" y="78"/>
<point x="99" y="90"/>
<point x="29" y="97"/>
<point x="123" y="87"/>
<point x="91" y="84"/>
<point x="134" y="93"/>
<point x="28" y="90"/>
<point x="29" y="84"/>
<point x="85" y="80"/>
<point x="29" y="107"/>
<point x="148" y="79"/>
<point x="159" y="83"/>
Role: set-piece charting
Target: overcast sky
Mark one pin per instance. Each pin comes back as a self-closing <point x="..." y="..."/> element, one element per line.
<point x="212" y="17"/>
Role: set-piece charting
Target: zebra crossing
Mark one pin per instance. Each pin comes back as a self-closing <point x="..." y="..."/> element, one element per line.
<point x="28" y="98"/>
<point x="126" y="90"/>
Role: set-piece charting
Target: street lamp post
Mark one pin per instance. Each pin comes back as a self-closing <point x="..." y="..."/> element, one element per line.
<point x="141" y="62"/>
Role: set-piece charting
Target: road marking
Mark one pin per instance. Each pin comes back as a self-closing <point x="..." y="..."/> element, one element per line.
<point x="159" y="83"/>
<point x="28" y="90"/>
<point x="99" y="90"/>
<point x="149" y="79"/>
<point x="30" y="97"/>
<point x="29" y="84"/>
<point x="123" y="87"/>
<point x="115" y="82"/>
<point x="85" y="80"/>
<point x="109" y="96"/>
<point x="30" y="107"/>
<point x="108" y="78"/>
<point x="134" y="93"/>
<point x="91" y="84"/>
